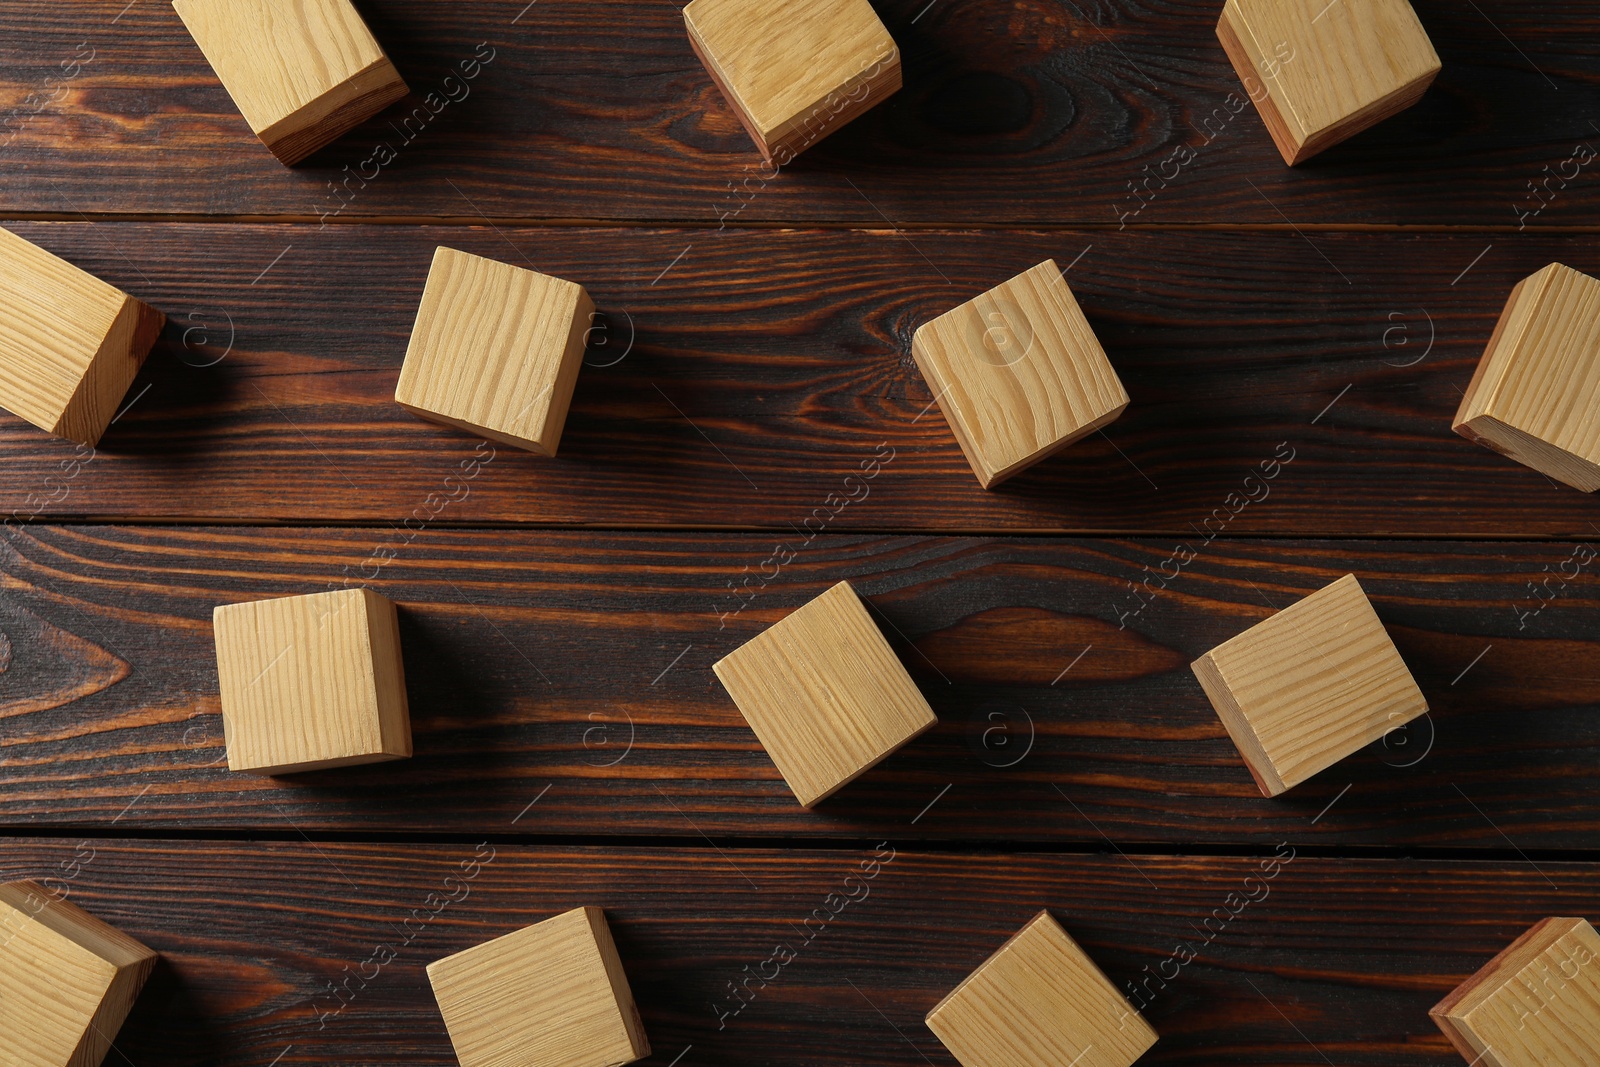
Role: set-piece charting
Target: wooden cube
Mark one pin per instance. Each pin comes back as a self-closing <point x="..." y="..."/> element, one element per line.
<point x="67" y="980"/>
<point x="549" y="995"/>
<point x="72" y="344"/>
<point x="1537" y="1004"/>
<point x="1040" y="1001"/>
<point x="303" y="73"/>
<point x="1536" y="394"/>
<point x="794" y="70"/>
<point x="1321" y="71"/>
<point x="496" y="350"/>
<point x="1307" y="687"/>
<point x="825" y="694"/>
<point x="312" y="682"/>
<point x="1018" y="373"/>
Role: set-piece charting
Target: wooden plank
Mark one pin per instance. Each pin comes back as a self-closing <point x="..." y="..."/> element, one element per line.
<point x="1110" y="112"/>
<point x="561" y="684"/>
<point x="746" y="385"/>
<point x="315" y="952"/>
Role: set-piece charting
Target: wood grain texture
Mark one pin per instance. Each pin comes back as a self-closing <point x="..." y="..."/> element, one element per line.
<point x="496" y="350"/>
<point x="1040" y="114"/>
<point x="573" y="669"/>
<point x="1040" y="1001"/>
<point x="824" y="692"/>
<point x="302" y="74"/>
<point x="311" y="682"/>
<point x="1536" y="1004"/>
<point x="70" y="344"/>
<point x="1313" y="684"/>
<point x="67" y="979"/>
<point x="1018" y="373"/>
<point x="1536" y="393"/>
<point x="548" y="995"/>
<point x="285" y="948"/>
<point x="1322" y="72"/>
<point x="794" y="72"/>
<point x="790" y="353"/>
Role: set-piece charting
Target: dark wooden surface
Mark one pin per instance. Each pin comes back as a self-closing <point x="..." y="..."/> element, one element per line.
<point x="1336" y="961"/>
<point x="749" y="384"/>
<point x="1038" y="112"/>
<point x="766" y="366"/>
<point x="581" y="663"/>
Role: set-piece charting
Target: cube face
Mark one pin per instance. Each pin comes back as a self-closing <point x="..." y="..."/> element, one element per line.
<point x="1321" y="72"/>
<point x="312" y="682"/>
<point x="1537" y="1004"/>
<point x="302" y="74"/>
<point x="1309" y="686"/>
<point x="67" y="980"/>
<point x="794" y="70"/>
<point x="549" y="995"/>
<point x="1536" y="394"/>
<point x="825" y="694"/>
<point x="1018" y="373"/>
<point x="1040" y="1001"/>
<point x="70" y="344"/>
<point x="496" y="350"/>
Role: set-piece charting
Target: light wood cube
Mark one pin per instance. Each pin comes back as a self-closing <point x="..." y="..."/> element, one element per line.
<point x="1018" y="373"/>
<point x="72" y="344"/>
<point x="794" y="71"/>
<point x="1040" y="1001"/>
<point x="1321" y="71"/>
<point x="303" y="73"/>
<point x="549" y="995"/>
<point x="1537" y="1004"/>
<point x="67" y="980"/>
<point x="496" y="350"/>
<point x="1536" y="394"/>
<point x="825" y="694"/>
<point x="1307" y="687"/>
<point x="312" y="682"/>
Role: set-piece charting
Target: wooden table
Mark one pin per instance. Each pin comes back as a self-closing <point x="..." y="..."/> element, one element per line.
<point x="560" y="617"/>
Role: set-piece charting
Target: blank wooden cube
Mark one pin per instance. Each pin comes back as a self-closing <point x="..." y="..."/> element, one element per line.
<point x="67" y="980"/>
<point x="1307" y="687"/>
<point x="1321" y="71"/>
<point x="312" y="682"/>
<point x="825" y="694"/>
<point x="71" y="345"/>
<point x="1018" y="373"/>
<point x="1537" y="1004"/>
<point x="302" y="73"/>
<point x="496" y="350"/>
<point x="549" y="995"/>
<point x="1536" y="394"/>
<point x="794" y="70"/>
<point x="1040" y="1001"/>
